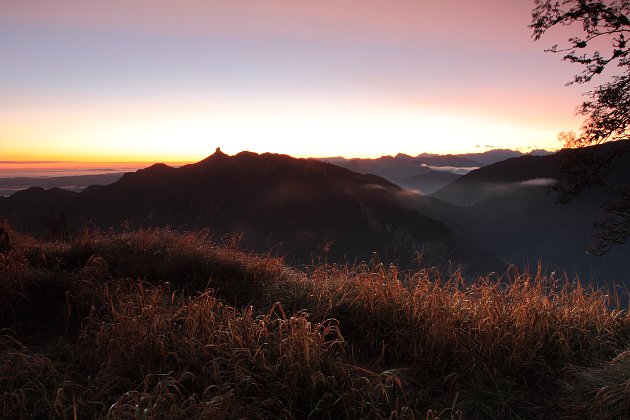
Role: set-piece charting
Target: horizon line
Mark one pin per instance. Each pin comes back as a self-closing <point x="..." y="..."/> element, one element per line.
<point x="74" y="160"/>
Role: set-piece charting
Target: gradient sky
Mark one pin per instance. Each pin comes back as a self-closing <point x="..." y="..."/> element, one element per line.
<point x="170" y="80"/>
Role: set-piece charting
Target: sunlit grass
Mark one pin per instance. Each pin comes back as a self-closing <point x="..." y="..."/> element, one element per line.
<point x="158" y="324"/>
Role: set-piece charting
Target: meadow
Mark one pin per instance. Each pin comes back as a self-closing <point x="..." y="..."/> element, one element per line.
<point x="155" y="324"/>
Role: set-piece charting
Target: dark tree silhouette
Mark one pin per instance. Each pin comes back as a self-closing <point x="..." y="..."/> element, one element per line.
<point x="600" y="43"/>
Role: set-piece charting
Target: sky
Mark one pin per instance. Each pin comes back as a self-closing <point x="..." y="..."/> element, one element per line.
<point x="171" y="80"/>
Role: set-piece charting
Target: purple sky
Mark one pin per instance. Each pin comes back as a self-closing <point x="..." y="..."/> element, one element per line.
<point x="171" y="80"/>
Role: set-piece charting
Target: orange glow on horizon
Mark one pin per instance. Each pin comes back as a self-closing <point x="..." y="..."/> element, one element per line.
<point x="189" y="132"/>
<point x="85" y="164"/>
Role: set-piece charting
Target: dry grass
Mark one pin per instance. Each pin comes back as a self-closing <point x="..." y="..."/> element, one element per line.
<point x="157" y="324"/>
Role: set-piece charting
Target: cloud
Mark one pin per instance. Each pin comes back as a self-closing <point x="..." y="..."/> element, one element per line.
<point x="411" y="192"/>
<point x="538" y="182"/>
<point x="458" y="170"/>
<point x="374" y="187"/>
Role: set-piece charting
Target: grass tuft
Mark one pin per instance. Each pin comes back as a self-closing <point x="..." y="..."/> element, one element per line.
<point x="159" y="324"/>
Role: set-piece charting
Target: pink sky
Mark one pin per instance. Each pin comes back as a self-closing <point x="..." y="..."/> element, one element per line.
<point x="171" y="80"/>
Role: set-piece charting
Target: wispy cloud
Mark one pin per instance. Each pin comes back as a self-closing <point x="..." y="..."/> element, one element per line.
<point x="538" y="182"/>
<point x="458" y="170"/>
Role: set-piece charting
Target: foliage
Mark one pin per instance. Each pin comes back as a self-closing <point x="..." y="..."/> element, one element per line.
<point x="158" y="324"/>
<point x="600" y="42"/>
<point x="600" y="21"/>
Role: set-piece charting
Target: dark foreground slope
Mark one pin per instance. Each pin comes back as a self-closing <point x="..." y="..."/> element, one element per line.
<point x="509" y="208"/>
<point x="159" y="325"/>
<point x="305" y="209"/>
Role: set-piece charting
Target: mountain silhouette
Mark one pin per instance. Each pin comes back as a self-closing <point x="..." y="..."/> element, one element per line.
<point x="426" y="172"/>
<point x="302" y="208"/>
<point x="392" y="168"/>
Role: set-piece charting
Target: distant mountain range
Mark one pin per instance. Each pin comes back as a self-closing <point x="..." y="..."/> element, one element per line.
<point x="77" y="183"/>
<point x="303" y="208"/>
<point x="425" y="172"/>
<point x="401" y="169"/>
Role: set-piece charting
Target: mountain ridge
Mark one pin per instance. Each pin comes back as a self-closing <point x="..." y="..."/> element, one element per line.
<point x="400" y="168"/>
<point x="302" y="207"/>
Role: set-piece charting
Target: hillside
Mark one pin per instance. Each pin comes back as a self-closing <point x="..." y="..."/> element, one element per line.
<point x="303" y="209"/>
<point x="161" y="325"/>
<point x="488" y="181"/>
<point x="428" y="183"/>
<point x="510" y="210"/>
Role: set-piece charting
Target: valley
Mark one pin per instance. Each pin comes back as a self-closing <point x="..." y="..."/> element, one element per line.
<point x="478" y="219"/>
